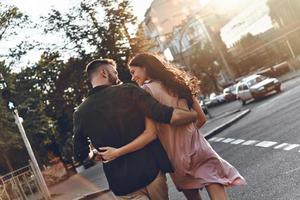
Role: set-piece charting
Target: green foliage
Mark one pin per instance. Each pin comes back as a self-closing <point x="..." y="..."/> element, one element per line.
<point x="10" y="17"/>
<point x="97" y="29"/>
<point x="10" y="138"/>
<point x="11" y="23"/>
<point x="202" y="66"/>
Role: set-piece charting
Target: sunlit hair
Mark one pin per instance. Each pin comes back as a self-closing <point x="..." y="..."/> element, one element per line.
<point x="176" y="81"/>
<point x="93" y="66"/>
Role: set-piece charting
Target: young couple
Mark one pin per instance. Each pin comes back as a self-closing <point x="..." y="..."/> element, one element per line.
<point x="135" y="161"/>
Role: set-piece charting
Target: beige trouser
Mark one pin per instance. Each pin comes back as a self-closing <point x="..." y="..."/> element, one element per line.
<point x="156" y="190"/>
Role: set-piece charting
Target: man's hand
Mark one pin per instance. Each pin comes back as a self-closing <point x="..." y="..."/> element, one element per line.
<point x="95" y="155"/>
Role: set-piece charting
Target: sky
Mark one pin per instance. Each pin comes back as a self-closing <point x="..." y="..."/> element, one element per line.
<point x="36" y="8"/>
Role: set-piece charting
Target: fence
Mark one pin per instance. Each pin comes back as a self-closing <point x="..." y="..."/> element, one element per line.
<point x="21" y="184"/>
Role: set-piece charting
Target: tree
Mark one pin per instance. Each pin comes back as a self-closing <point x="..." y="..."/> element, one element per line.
<point x="10" y="138"/>
<point x="203" y="66"/>
<point x="140" y="43"/>
<point x="89" y="33"/>
<point x="31" y="106"/>
<point x="10" y="17"/>
<point x="11" y="22"/>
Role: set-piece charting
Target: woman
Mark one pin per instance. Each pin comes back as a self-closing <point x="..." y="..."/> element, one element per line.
<point x="196" y="164"/>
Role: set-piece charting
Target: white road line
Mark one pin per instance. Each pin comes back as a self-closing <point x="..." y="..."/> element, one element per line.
<point x="284" y="146"/>
<point x="212" y="139"/>
<point x="281" y="145"/>
<point x="266" y="144"/>
<point x="238" y="141"/>
<point x="219" y="139"/>
<point x="250" y="142"/>
<point x="291" y="146"/>
<point x="228" y="140"/>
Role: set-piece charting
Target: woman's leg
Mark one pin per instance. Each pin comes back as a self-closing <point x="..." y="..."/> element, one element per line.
<point x="192" y="194"/>
<point x="216" y="192"/>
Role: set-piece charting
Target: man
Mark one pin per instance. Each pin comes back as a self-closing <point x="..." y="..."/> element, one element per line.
<point x="114" y="115"/>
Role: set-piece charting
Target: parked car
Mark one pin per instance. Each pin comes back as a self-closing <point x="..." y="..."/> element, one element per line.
<point x="213" y="99"/>
<point x="256" y="86"/>
<point x="216" y="99"/>
<point x="229" y="93"/>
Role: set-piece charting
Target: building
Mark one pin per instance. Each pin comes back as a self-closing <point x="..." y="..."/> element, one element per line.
<point x="264" y="34"/>
<point x="163" y="15"/>
<point x="254" y="19"/>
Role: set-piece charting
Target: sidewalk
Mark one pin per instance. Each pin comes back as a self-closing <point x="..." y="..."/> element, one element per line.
<point x="290" y="75"/>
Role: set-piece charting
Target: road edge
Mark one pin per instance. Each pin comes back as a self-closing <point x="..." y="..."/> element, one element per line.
<point x="225" y="125"/>
<point x="92" y="194"/>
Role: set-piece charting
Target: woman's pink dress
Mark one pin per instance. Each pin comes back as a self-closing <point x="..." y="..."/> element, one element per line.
<point x="195" y="163"/>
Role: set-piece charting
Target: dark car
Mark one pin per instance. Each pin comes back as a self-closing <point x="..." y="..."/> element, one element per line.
<point x="229" y="93"/>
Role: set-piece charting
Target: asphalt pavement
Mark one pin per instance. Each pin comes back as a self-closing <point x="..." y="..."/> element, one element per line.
<point x="265" y="147"/>
<point x="92" y="184"/>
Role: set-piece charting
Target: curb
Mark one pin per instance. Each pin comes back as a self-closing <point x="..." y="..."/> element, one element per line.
<point x="227" y="124"/>
<point x="226" y="114"/>
<point x="92" y="194"/>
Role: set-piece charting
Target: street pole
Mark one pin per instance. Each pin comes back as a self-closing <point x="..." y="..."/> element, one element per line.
<point x="212" y="41"/>
<point x="13" y="109"/>
<point x="219" y="51"/>
<point x="40" y="177"/>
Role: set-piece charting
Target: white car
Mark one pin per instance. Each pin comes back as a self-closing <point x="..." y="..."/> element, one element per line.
<point x="255" y="87"/>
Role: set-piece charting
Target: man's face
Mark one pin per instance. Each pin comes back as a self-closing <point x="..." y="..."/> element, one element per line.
<point x="113" y="75"/>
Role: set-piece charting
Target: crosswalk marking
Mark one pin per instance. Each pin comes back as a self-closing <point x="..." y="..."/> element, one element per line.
<point x="265" y="144"/>
<point x="228" y="140"/>
<point x="281" y="145"/>
<point x="212" y="139"/>
<point x="238" y="141"/>
<point x="291" y="146"/>
<point x="250" y="142"/>
<point x="219" y="139"/>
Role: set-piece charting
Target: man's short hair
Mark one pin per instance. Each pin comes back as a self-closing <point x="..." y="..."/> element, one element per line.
<point x="93" y="66"/>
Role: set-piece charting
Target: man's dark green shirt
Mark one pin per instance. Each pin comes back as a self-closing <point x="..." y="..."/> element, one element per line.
<point x="114" y="116"/>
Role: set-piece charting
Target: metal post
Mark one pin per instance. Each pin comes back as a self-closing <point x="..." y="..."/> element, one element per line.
<point x="31" y="155"/>
<point x="217" y="48"/>
<point x="290" y="48"/>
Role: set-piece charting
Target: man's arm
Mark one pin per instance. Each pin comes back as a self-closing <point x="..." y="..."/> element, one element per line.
<point x="182" y="117"/>
<point x="161" y="113"/>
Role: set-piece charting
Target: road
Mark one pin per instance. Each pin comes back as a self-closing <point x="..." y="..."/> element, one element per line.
<point x="265" y="147"/>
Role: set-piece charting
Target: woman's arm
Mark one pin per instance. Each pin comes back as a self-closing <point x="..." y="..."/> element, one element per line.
<point x="110" y="153"/>
<point x="201" y="118"/>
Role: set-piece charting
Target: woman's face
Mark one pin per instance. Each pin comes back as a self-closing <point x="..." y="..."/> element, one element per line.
<point x="138" y="74"/>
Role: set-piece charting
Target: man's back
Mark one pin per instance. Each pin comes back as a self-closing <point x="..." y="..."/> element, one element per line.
<point x="114" y="116"/>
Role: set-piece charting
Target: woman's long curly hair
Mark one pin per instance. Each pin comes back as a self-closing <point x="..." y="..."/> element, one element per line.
<point x="176" y="81"/>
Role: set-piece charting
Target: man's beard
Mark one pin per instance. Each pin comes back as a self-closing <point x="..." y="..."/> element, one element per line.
<point x="113" y="80"/>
